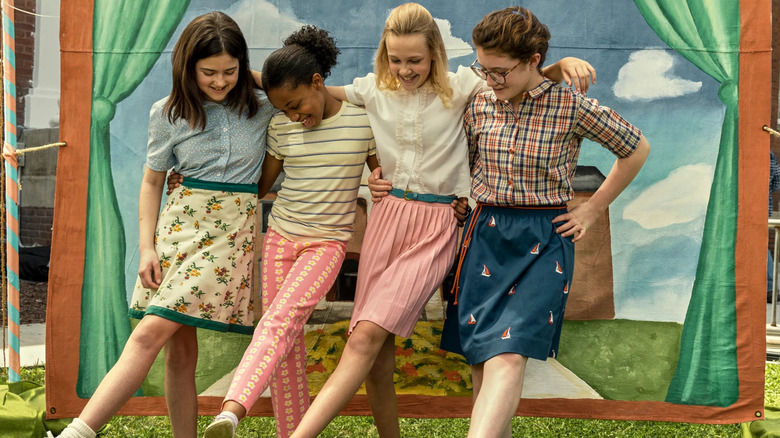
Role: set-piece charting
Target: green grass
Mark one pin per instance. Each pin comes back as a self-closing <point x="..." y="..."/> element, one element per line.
<point x="433" y="428"/>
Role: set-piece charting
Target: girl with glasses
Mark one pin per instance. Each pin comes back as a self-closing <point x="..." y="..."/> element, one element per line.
<point x="517" y="259"/>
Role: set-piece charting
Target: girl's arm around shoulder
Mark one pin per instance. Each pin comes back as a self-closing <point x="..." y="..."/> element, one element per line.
<point x="258" y="77"/>
<point x="581" y="217"/>
<point x="372" y="162"/>
<point x="575" y="72"/>
<point x="148" y="211"/>
<point x="337" y="92"/>
<point x="272" y="167"/>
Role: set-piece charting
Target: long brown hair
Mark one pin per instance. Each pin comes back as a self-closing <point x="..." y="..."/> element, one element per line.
<point x="413" y="19"/>
<point x="514" y="32"/>
<point x="208" y="35"/>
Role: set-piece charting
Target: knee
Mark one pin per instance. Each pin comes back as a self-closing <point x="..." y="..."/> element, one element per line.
<point x="507" y="363"/>
<point x="382" y="370"/>
<point x="366" y="339"/>
<point x="145" y="340"/>
<point x="181" y="355"/>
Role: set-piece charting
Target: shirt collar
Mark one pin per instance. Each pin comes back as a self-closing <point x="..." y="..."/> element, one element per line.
<point x="533" y="93"/>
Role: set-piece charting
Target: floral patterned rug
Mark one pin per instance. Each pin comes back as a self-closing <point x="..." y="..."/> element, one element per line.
<point x="421" y="366"/>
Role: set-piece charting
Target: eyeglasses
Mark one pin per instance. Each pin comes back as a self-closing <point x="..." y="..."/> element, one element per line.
<point x="499" y="78"/>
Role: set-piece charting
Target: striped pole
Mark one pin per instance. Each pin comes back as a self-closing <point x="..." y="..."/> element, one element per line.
<point x="11" y="189"/>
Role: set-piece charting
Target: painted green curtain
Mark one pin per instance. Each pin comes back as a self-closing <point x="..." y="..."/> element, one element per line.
<point x="128" y="36"/>
<point x="706" y="32"/>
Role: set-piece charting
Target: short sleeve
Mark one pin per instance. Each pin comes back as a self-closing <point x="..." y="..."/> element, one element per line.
<point x="372" y="146"/>
<point x="361" y="89"/>
<point x="465" y="82"/>
<point x="159" y="149"/>
<point x="606" y="127"/>
<point x="272" y="138"/>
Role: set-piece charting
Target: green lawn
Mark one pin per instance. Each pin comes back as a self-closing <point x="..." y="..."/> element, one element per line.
<point x="430" y="428"/>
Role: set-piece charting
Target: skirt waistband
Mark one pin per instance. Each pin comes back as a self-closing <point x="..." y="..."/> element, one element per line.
<point x="225" y="187"/>
<point x="527" y="209"/>
<point x="424" y="197"/>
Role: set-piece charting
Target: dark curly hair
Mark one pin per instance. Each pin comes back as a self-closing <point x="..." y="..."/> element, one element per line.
<point x="307" y="51"/>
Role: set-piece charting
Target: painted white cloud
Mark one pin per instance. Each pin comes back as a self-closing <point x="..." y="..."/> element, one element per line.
<point x="263" y="24"/>
<point x="681" y="197"/>
<point x="647" y="76"/>
<point x="455" y="46"/>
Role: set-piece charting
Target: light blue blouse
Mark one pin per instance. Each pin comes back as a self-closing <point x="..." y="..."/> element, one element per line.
<point x="230" y="149"/>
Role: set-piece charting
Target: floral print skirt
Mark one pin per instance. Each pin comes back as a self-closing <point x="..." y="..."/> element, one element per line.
<point x="205" y="240"/>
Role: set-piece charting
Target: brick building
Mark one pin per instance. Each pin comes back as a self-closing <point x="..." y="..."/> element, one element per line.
<point x="24" y="25"/>
<point x="36" y="39"/>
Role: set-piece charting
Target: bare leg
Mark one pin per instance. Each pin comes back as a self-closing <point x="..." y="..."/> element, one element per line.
<point x="128" y="373"/>
<point x="499" y="396"/>
<point x="235" y="408"/>
<point x="381" y="391"/>
<point x="476" y="380"/>
<point x="356" y="361"/>
<point x="181" y="359"/>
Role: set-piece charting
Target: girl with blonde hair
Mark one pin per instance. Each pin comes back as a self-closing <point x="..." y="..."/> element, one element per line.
<point x="415" y="106"/>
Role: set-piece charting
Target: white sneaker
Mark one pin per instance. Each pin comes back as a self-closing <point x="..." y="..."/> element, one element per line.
<point x="220" y="428"/>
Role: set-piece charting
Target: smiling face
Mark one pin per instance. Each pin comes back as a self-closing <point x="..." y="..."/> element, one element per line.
<point x="304" y="103"/>
<point x="518" y="81"/>
<point x="216" y="76"/>
<point x="409" y="59"/>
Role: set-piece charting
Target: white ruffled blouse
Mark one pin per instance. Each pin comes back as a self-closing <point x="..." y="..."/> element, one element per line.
<point x="421" y="145"/>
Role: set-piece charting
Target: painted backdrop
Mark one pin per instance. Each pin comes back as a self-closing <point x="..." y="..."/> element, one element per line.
<point x="667" y="320"/>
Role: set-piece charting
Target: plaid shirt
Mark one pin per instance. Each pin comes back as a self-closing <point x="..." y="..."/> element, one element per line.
<point x="529" y="158"/>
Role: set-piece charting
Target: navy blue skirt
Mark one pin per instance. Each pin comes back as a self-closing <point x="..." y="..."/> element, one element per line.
<point x="512" y="283"/>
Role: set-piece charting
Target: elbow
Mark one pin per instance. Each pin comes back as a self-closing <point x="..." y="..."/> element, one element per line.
<point x="642" y="150"/>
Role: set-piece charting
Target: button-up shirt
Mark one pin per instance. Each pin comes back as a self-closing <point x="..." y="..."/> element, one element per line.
<point x="420" y="143"/>
<point x="529" y="157"/>
<point x="230" y="149"/>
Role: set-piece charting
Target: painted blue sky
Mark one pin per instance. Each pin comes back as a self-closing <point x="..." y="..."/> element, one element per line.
<point x="656" y="223"/>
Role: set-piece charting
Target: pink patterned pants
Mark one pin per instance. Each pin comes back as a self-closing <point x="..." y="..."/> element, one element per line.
<point x="295" y="277"/>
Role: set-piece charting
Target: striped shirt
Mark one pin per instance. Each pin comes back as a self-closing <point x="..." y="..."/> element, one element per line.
<point x="323" y="168"/>
<point x="529" y="158"/>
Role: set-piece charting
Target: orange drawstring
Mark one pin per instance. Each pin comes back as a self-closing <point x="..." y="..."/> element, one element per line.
<point x="464" y="247"/>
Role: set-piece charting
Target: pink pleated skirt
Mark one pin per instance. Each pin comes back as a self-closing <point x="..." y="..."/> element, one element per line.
<point x="408" y="248"/>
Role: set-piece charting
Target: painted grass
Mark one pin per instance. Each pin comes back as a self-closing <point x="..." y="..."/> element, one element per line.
<point x="622" y="359"/>
<point x="158" y="427"/>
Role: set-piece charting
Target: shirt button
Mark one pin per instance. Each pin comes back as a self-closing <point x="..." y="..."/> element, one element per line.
<point x="511" y="150"/>
<point x="509" y="182"/>
<point x="224" y="129"/>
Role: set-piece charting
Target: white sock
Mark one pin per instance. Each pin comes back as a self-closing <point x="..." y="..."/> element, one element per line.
<point x="230" y="416"/>
<point x="77" y="429"/>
